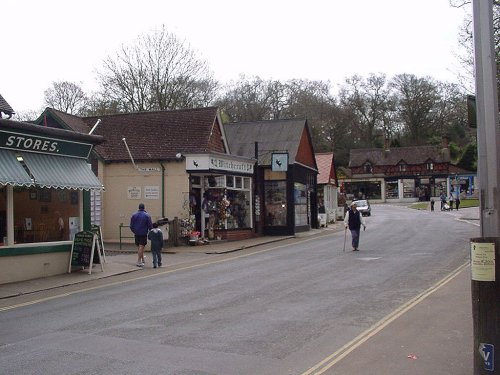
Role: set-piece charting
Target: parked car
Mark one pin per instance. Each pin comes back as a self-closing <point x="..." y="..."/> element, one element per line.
<point x="363" y="206"/>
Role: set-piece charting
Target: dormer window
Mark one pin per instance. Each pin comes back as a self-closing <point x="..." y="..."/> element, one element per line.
<point x="368" y="167"/>
<point x="430" y="166"/>
<point x="402" y="167"/>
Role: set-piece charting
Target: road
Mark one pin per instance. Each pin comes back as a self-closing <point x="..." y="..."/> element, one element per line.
<point x="276" y="309"/>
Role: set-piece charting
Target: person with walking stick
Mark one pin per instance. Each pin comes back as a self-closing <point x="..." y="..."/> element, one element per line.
<point x="354" y="220"/>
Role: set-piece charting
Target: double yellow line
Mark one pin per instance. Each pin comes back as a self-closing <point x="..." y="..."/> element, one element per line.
<point x="345" y="350"/>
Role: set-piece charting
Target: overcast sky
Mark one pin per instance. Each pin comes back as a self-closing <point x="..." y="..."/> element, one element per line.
<point x="51" y="40"/>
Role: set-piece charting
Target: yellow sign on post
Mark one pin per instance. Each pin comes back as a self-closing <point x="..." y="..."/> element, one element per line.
<point x="482" y="258"/>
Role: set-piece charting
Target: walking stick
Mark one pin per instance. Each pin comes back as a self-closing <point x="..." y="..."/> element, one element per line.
<point x="345" y="237"/>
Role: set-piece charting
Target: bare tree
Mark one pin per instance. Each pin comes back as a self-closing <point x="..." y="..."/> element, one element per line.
<point x="159" y="72"/>
<point x="27" y="116"/>
<point x="466" y="40"/>
<point x="369" y="101"/>
<point x="252" y="99"/>
<point x="66" y="96"/>
<point x="417" y="97"/>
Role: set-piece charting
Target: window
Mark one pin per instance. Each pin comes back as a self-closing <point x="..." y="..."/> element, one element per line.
<point x="408" y="188"/>
<point x="368" y="168"/>
<point x="391" y="189"/>
<point x="41" y="215"/>
<point x="402" y="167"/>
<point x="227" y="202"/>
<point x="300" y="200"/>
<point x="430" y="166"/>
<point x="275" y="203"/>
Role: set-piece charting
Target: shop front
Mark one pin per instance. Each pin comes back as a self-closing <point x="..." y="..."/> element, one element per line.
<point x="290" y="200"/>
<point x="221" y="196"/>
<point x="44" y="197"/>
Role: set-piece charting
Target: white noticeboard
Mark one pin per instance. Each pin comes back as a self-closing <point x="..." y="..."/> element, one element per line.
<point x="151" y="192"/>
<point x="482" y="260"/>
<point x="134" y="192"/>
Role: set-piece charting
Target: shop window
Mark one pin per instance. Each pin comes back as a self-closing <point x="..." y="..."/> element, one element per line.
<point x="215" y="181"/>
<point x="391" y="190"/>
<point x="239" y="184"/>
<point x="363" y="190"/>
<point x="239" y="209"/>
<point x="43" y="215"/>
<point x="300" y="200"/>
<point x="275" y="203"/>
<point x="408" y="188"/>
<point x="228" y="206"/>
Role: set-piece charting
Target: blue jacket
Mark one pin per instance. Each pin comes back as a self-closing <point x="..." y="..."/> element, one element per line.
<point x="140" y="223"/>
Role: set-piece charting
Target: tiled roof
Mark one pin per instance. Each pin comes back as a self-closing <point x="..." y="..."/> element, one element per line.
<point x="158" y="135"/>
<point x="273" y="135"/>
<point x="64" y="120"/>
<point x="325" y="164"/>
<point x="410" y="155"/>
<point x="5" y="107"/>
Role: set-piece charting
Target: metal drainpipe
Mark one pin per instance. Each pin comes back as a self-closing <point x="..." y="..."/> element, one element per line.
<point x="162" y="190"/>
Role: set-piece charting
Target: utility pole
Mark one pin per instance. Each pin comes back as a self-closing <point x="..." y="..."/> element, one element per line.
<point x="485" y="259"/>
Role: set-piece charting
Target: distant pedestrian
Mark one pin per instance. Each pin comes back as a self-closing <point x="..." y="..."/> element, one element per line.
<point x="140" y="224"/>
<point x="457" y="202"/>
<point x="442" y="198"/>
<point x="354" y="220"/>
<point x="451" y="201"/>
<point x="432" y="204"/>
<point x="155" y="235"/>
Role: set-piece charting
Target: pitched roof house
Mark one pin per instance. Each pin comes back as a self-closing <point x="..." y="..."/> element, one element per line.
<point x="402" y="173"/>
<point x="287" y="185"/>
<point x="327" y="187"/>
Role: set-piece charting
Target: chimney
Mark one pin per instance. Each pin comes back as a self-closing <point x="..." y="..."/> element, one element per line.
<point x="445" y="150"/>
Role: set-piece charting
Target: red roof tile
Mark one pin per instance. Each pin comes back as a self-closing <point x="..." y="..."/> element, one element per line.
<point x="156" y="135"/>
<point x="325" y="167"/>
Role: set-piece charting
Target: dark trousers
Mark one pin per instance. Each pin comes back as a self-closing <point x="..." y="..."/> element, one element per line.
<point x="355" y="237"/>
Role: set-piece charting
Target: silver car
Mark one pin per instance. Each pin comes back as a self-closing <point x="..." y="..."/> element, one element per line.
<point x="363" y="206"/>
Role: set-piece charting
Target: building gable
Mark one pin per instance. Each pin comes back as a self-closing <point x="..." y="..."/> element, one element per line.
<point x="272" y="136"/>
<point x="305" y="152"/>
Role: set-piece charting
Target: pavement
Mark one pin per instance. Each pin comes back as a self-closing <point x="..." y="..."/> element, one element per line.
<point x="399" y="344"/>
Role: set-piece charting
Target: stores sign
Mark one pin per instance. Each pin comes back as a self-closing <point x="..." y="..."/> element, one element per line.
<point x="34" y="143"/>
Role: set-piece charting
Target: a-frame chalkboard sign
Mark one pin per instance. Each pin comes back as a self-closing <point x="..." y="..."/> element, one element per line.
<point x="83" y="252"/>
<point x="97" y="231"/>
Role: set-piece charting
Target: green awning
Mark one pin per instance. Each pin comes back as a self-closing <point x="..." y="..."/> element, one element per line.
<point x="12" y="171"/>
<point x="61" y="172"/>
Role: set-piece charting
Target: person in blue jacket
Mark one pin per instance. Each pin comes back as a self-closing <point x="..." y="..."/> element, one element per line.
<point x="140" y="225"/>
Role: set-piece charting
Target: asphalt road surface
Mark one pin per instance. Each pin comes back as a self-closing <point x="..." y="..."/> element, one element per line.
<point x="276" y="309"/>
